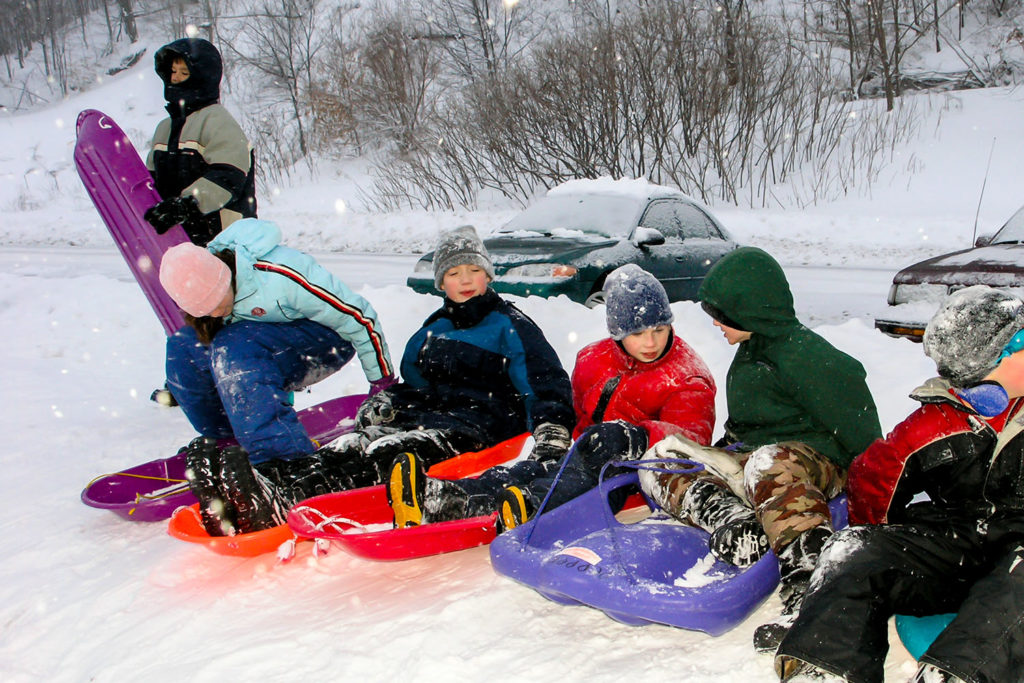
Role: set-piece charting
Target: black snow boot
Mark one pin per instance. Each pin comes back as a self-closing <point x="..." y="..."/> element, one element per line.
<point x="796" y="564"/>
<point x="736" y="535"/>
<point x="516" y="506"/>
<point x="203" y="470"/>
<point x="257" y="501"/>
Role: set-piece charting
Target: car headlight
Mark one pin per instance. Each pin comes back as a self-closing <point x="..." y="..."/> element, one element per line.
<point x="547" y="271"/>
<point x="905" y="294"/>
<point x="423" y="266"/>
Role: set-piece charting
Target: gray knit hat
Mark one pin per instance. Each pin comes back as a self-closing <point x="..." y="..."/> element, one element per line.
<point x="969" y="331"/>
<point x="457" y="247"/>
<point x="634" y="301"/>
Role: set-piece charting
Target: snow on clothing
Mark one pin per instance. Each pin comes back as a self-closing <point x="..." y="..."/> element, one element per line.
<point x="793" y="399"/>
<point x="621" y="406"/>
<point x="475" y="374"/>
<point x="962" y="550"/>
<point x="293" y="324"/>
<point x="200" y="150"/>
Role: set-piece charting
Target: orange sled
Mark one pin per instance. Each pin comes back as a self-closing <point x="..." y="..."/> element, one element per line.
<point x="309" y="519"/>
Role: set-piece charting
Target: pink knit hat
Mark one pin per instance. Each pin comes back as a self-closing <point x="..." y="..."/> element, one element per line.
<point x="196" y="279"/>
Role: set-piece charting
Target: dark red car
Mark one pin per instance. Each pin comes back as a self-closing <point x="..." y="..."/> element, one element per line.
<point x="918" y="290"/>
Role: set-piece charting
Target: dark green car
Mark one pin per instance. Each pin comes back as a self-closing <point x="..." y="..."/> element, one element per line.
<point x="570" y="240"/>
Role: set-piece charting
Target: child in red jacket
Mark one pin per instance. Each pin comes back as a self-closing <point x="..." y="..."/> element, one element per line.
<point x="961" y="548"/>
<point x="629" y="391"/>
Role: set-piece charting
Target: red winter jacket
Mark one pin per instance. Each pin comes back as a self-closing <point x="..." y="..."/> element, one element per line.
<point x="674" y="394"/>
<point x="969" y="466"/>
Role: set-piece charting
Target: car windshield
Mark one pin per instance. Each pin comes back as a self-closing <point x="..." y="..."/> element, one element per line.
<point x="607" y="216"/>
<point x="1013" y="231"/>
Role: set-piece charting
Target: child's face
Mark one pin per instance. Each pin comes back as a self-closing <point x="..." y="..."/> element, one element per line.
<point x="647" y="345"/>
<point x="463" y="282"/>
<point x="1010" y="374"/>
<point x="732" y="335"/>
<point x="179" y="71"/>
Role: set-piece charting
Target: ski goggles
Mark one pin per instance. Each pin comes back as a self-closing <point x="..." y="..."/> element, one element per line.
<point x="1015" y="344"/>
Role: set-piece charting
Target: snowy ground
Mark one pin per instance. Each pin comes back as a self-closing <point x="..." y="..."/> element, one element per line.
<point x="85" y="595"/>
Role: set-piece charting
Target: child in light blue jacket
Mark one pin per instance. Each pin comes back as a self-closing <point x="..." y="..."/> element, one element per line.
<point x="263" y="320"/>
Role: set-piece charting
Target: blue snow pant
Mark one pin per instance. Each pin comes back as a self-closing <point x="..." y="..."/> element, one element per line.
<point x="599" y="444"/>
<point x="238" y="385"/>
<point x="974" y="567"/>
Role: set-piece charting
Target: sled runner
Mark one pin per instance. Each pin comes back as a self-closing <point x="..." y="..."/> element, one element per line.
<point x="654" y="571"/>
<point x="152" y="491"/>
<point x="361" y="520"/>
<point x="918" y="633"/>
<point x="121" y="187"/>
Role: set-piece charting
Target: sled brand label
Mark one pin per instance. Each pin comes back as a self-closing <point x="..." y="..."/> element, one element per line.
<point x="585" y="554"/>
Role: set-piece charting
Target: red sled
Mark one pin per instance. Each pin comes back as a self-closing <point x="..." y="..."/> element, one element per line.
<point x="361" y="521"/>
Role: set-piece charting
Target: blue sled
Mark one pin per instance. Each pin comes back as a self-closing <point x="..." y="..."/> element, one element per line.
<point x="655" y="571"/>
<point x="918" y="633"/>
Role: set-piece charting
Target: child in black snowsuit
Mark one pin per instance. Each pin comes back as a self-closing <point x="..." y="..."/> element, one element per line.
<point x="476" y="373"/>
<point x="961" y="549"/>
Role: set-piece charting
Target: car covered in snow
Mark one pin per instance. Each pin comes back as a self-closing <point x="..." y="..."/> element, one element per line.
<point x="918" y="290"/>
<point x="568" y="241"/>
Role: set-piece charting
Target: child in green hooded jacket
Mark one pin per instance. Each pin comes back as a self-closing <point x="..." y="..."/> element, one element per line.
<point x="799" y="412"/>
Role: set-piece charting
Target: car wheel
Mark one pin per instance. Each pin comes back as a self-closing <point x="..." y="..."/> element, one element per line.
<point x="596" y="298"/>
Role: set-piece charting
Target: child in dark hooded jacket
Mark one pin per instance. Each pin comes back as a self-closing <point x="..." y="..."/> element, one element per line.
<point x="799" y="412"/>
<point x="201" y="161"/>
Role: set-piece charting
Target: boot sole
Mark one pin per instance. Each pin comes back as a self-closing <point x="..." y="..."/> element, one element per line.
<point x="513" y="512"/>
<point x="402" y="493"/>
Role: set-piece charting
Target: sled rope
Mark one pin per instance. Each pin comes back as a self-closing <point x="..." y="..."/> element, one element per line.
<point x="333" y="521"/>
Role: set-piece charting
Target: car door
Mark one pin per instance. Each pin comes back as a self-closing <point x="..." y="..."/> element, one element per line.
<point x="693" y="243"/>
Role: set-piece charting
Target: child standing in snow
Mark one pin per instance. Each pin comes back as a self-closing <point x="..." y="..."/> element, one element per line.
<point x="634" y="388"/>
<point x="476" y="373"/>
<point x="961" y="549"/>
<point x="201" y="161"/>
<point x="799" y="411"/>
<point x="263" y="320"/>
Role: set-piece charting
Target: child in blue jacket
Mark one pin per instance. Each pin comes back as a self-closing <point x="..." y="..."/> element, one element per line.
<point x="263" y="320"/>
<point x="476" y="373"/>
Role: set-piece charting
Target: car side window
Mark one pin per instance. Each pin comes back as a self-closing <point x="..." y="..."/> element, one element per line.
<point x="679" y="220"/>
<point x="696" y="223"/>
<point x="663" y="217"/>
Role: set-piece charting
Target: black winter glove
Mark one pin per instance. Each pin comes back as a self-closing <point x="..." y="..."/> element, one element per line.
<point x="170" y="212"/>
<point x="550" y="442"/>
<point x="375" y="410"/>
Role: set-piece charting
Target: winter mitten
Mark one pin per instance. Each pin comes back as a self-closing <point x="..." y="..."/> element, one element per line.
<point x="379" y="385"/>
<point x="550" y="442"/>
<point x="929" y="673"/>
<point x="170" y="212"/>
<point x="375" y="410"/>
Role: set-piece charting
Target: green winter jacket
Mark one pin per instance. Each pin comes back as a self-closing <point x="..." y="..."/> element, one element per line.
<point x="786" y="383"/>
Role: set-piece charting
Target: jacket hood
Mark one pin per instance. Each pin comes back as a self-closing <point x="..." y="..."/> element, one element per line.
<point x="250" y="238"/>
<point x="749" y="287"/>
<point x="202" y="87"/>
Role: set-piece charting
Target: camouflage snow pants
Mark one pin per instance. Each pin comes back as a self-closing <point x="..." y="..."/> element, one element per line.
<point x="787" y="484"/>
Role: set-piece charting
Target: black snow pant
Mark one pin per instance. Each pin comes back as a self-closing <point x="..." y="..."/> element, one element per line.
<point x="598" y="445"/>
<point x="866" y="574"/>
